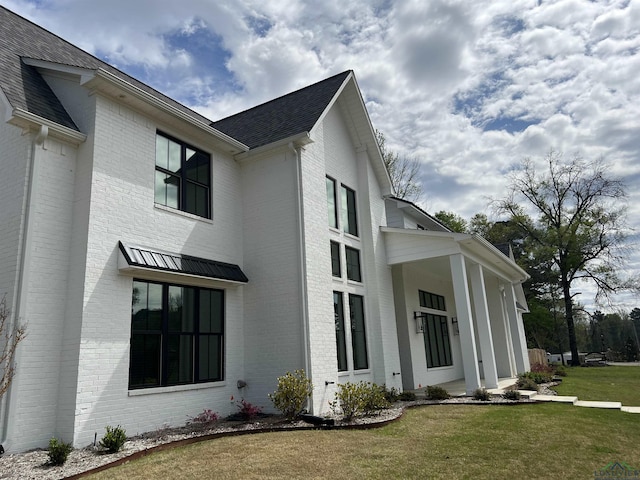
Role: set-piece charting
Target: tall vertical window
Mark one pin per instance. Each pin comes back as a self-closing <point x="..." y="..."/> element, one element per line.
<point x="358" y="334"/>
<point x="176" y="335"/>
<point x="335" y="259"/>
<point x="332" y="204"/>
<point x="352" y="257"/>
<point x="349" y="216"/>
<point x="183" y="177"/>
<point x="436" y="341"/>
<point x="341" y="339"/>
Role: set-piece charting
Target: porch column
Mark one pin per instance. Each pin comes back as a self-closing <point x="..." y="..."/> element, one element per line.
<point x="517" y="331"/>
<point x="465" y="323"/>
<point x="479" y="293"/>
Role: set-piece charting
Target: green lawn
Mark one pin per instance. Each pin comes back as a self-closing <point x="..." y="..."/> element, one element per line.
<point x="611" y="384"/>
<point x="545" y="441"/>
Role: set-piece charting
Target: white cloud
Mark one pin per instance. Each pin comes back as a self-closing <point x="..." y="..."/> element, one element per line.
<point x="469" y="87"/>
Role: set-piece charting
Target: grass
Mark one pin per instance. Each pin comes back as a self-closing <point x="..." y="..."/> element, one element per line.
<point x="445" y="441"/>
<point x="543" y="441"/>
<point x="607" y="384"/>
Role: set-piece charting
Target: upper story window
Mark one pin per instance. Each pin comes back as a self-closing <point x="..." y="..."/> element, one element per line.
<point x="349" y="215"/>
<point x="335" y="259"/>
<point x="183" y="177"/>
<point x="332" y="204"/>
<point x="352" y="257"/>
<point x="431" y="300"/>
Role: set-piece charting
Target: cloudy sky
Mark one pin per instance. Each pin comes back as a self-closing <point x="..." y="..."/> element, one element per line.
<point x="470" y="88"/>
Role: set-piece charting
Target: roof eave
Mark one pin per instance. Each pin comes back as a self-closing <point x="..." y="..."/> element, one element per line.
<point x="23" y="119"/>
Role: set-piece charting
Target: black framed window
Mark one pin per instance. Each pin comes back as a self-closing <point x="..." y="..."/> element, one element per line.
<point x="332" y="204"/>
<point x="341" y="339"/>
<point x="336" y="271"/>
<point x="352" y="257"/>
<point x="349" y="214"/>
<point x="177" y="335"/>
<point x="358" y="334"/>
<point x="431" y="300"/>
<point x="436" y="341"/>
<point x="183" y="176"/>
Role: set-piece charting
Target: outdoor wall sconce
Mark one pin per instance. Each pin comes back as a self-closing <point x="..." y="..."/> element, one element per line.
<point x="454" y="325"/>
<point x="419" y="317"/>
<point x="241" y="384"/>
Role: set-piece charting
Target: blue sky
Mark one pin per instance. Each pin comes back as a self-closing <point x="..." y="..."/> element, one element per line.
<point x="469" y="88"/>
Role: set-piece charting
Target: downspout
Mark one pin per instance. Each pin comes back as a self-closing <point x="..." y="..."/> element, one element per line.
<point x="19" y="298"/>
<point x="304" y="309"/>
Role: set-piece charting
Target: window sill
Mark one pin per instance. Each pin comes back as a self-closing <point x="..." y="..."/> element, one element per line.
<point x="174" y="388"/>
<point x="181" y="213"/>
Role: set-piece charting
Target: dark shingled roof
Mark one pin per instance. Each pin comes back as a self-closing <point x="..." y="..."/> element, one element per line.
<point x="23" y="85"/>
<point x="282" y="117"/>
<point x="175" y="262"/>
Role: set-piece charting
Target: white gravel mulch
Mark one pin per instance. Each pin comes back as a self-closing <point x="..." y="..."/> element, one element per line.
<point x="35" y="464"/>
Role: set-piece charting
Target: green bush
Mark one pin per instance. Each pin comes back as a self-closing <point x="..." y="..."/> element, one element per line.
<point x="538" y="377"/>
<point x="391" y="394"/>
<point x="560" y="371"/>
<point x="362" y="398"/>
<point x="526" y="383"/>
<point x="511" y="395"/>
<point x="407" y="396"/>
<point x="113" y="439"/>
<point x="481" y="394"/>
<point x="58" y="451"/>
<point x="433" y="392"/>
<point x="292" y="393"/>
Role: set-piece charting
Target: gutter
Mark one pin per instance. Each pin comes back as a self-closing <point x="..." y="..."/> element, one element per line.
<point x="304" y="308"/>
<point x="19" y="304"/>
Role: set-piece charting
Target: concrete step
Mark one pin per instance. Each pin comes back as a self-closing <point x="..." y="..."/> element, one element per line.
<point x="555" y="398"/>
<point x="585" y="403"/>
<point x="630" y="409"/>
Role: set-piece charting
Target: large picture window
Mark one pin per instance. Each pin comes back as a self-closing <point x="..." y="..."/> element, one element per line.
<point x="177" y="335"/>
<point x="436" y="341"/>
<point x="183" y="177"/>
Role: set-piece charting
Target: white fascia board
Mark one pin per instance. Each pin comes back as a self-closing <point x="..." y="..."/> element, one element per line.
<point x="298" y="140"/>
<point x="126" y="87"/>
<point x="85" y="74"/>
<point x="22" y="118"/>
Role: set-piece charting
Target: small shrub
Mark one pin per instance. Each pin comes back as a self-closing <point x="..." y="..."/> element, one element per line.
<point x="373" y="398"/>
<point x="292" y="393"/>
<point x="407" y="396"/>
<point x="526" y="383"/>
<point x="481" y="394"/>
<point x="560" y="371"/>
<point x="538" y="377"/>
<point x="391" y="394"/>
<point x="362" y="398"/>
<point x="248" y="411"/>
<point x="113" y="439"/>
<point x="207" y="416"/>
<point x="58" y="451"/>
<point x="434" y="392"/>
<point x="511" y="395"/>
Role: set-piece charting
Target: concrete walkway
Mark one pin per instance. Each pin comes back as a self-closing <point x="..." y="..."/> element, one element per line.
<point x="457" y="389"/>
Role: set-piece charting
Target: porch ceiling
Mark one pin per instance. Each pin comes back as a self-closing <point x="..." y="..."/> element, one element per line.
<point x="404" y="246"/>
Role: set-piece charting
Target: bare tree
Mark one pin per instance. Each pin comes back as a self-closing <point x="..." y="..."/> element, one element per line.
<point x="404" y="171"/>
<point x="9" y="340"/>
<point x="578" y="224"/>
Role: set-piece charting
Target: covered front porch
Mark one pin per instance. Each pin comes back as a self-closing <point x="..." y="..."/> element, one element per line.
<point x="459" y="305"/>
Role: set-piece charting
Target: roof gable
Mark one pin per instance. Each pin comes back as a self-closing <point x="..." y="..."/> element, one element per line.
<point x="284" y="116"/>
<point x="23" y="86"/>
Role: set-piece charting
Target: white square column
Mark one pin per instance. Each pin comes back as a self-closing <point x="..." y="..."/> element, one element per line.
<point x="517" y="331"/>
<point x="479" y="293"/>
<point x="465" y="323"/>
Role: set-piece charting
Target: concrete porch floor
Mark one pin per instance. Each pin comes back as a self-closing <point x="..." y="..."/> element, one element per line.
<point x="457" y="388"/>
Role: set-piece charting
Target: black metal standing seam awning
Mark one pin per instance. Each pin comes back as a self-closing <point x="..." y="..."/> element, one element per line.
<point x="145" y="257"/>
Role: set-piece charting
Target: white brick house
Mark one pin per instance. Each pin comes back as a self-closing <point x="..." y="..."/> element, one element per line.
<point x="158" y="258"/>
